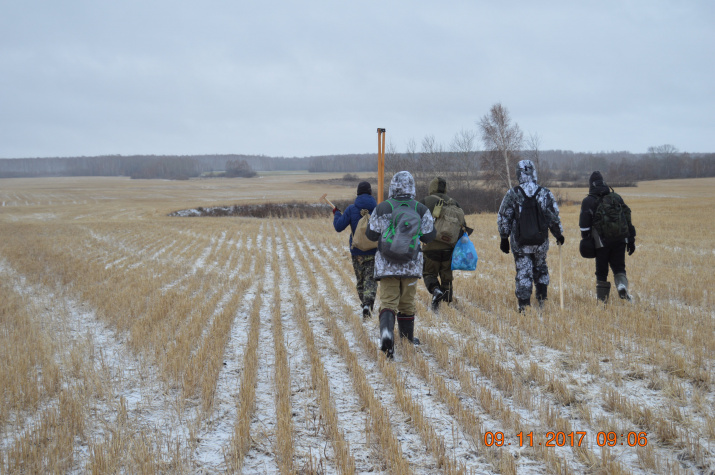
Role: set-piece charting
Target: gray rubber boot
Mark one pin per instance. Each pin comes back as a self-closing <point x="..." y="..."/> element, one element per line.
<point x="603" y="289"/>
<point x="622" y="286"/>
<point x="387" y="332"/>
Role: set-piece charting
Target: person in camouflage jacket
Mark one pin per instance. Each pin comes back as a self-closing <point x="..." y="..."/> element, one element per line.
<point x="530" y="260"/>
<point x="398" y="281"/>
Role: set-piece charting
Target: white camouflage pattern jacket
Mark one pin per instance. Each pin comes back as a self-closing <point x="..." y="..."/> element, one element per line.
<point x="402" y="188"/>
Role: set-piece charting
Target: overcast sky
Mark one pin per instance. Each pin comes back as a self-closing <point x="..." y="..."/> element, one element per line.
<point x="284" y="78"/>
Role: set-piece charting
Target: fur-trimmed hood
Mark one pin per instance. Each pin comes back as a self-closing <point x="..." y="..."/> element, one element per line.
<point x="437" y="185"/>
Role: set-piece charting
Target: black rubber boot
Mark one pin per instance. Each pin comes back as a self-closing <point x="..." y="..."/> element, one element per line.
<point x="367" y="309"/>
<point x="437" y="296"/>
<point x="387" y="332"/>
<point x="541" y="294"/>
<point x="603" y="289"/>
<point x="406" y="325"/>
<point x="523" y="303"/>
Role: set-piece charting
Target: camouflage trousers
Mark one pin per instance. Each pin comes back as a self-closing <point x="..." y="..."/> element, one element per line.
<point x="364" y="267"/>
<point x="530" y="269"/>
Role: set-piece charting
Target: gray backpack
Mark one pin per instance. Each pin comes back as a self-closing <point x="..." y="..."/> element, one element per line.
<point x="400" y="241"/>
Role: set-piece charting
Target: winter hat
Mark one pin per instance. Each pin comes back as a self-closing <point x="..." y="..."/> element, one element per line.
<point x="596" y="185"/>
<point x="364" y="188"/>
<point x="596" y="179"/>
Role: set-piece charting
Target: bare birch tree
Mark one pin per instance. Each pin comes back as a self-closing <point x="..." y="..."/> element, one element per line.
<point x="465" y="147"/>
<point x="432" y="158"/>
<point x="502" y="141"/>
<point x="533" y="153"/>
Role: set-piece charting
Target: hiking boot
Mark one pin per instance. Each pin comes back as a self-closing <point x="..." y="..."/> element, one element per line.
<point x="541" y="294"/>
<point x="603" y="289"/>
<point x="523" y="303"/>
<point x="622" y="286"/>
<point x="387" y="332"/>
<point x="437" y="296"/>
<point x="448" y="297"/>
<point x="366" y="312"/>
<point x="406" y="326"/>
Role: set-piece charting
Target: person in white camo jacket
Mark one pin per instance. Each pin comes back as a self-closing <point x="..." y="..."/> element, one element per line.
<point x="530" y="260"/>
<point x="398" y="281"/>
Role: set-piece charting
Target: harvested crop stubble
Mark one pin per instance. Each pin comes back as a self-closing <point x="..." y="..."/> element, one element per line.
<point x="172" y="299"/>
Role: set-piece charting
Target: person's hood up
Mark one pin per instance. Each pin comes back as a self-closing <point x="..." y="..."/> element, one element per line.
<point x="402" y="185"/>
<point x="596" y="185"/>
<point x="437" y="185"/>
<point x="526" y="172"/>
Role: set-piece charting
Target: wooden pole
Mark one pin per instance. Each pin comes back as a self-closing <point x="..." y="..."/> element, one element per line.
<point x="561" y="278"/>
<point x="380" y="164"/>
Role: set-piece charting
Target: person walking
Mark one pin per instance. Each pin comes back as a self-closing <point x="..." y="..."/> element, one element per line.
<point x="449" y="217"/>
<point x="363" y="260"/>
<point x="397" y="224"/>
<point x="606" y="219"/>
<point x="526" y="213"/>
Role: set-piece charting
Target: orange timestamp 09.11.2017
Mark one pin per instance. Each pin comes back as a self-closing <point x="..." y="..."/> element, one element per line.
<point x="566" y="439"/>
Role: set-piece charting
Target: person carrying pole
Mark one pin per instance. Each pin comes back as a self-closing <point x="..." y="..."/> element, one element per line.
<point x="398" y="224"/>
<point x="363" y="259"/>
<point x="526" y="213"/>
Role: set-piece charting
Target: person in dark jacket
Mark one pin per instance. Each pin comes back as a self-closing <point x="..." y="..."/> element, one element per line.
<point x="529" y="259"/>
<point x="608" y="252"/>
<point x="437" y="270"/>
<point x="398" y="280"/>
<point x="363" y="261"/>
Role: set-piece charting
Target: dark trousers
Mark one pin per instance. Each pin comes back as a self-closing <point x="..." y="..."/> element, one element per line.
<point x="612" y="254"/>
<point x="437" y="272"/>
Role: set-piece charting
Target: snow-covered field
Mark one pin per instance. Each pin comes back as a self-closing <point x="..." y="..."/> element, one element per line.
<point x="131" y="341"/>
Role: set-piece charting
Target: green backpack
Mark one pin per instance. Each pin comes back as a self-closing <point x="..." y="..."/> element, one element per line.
<point x="611" y="217"/>
<point x="448" y="219"/>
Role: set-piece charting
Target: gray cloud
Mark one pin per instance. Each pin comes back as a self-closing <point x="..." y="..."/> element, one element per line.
<point x="296" y="79"/>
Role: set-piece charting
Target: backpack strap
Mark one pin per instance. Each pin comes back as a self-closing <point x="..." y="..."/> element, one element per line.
<point x="437" y="211"/>
<point x="523" y="193"/>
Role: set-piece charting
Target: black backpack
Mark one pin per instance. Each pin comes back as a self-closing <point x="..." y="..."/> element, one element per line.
<point x="611" y="217"/>
<point x="531" y="225"/>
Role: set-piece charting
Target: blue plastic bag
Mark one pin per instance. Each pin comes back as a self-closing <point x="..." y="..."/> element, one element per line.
<point x="464" y="256"/>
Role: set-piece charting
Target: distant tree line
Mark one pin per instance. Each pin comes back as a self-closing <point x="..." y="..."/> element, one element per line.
<point x="461" y="160"/>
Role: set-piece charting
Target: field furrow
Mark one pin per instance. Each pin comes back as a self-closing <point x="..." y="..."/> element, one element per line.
<point x="136" y="342"/>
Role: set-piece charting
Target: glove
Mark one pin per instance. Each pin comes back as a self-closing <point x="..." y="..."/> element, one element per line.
<point x="631" y="246"/>
<point x="335" y="210"/>
<point x="560" y="239"/>
<point x="504" y="246"/>
<point x="585" y="234"/>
